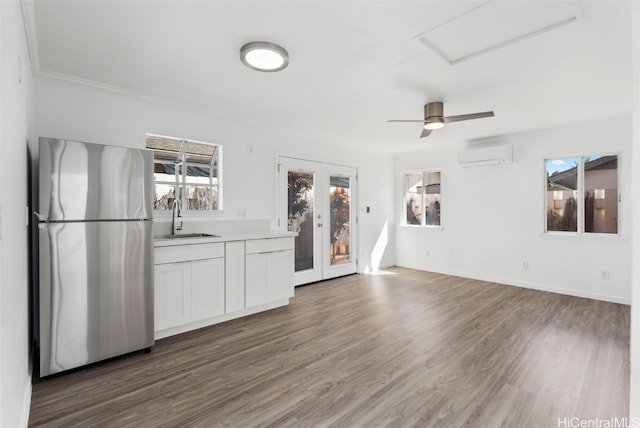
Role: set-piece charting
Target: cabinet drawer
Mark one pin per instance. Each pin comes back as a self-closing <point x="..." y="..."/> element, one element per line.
<point x="255" y="246"/>
<point x="181" y="253"/>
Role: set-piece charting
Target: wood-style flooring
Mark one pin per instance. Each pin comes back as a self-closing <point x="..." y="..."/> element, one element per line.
<point x="409" y="348"/>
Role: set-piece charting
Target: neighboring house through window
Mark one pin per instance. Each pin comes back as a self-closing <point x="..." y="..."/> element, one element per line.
<point x="582" y="194"/>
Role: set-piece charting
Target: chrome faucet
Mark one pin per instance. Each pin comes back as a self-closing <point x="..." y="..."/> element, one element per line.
<point x="175" y="207"/>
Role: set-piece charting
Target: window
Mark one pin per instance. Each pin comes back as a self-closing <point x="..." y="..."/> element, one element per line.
<point x="582" y="194"/>
<point x="186" y="170"/>
<point x="421" y="198"/>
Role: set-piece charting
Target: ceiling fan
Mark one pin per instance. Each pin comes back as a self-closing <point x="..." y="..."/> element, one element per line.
<point x="434" y="119"/>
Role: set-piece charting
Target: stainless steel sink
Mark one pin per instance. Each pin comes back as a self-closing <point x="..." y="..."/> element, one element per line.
<point x="187" y="235"/>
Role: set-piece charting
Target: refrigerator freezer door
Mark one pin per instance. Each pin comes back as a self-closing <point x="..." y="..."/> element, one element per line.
<point x="96" y="292"/>
<point x="81" y="181"/>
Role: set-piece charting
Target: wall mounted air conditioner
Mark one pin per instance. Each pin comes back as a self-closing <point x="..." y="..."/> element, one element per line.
<point x="486" y="156"/>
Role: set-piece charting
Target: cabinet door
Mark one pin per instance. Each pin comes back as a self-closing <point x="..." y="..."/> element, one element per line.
<point x="172" y="295"/>
<point x="269" y="277"/>
<point x="257" y="292"/>
<point x="280" y="275"/>
<point x="207" y="288"/>
<point x="234" y="276"/>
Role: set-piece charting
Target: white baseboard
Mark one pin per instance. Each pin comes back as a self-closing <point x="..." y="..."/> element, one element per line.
<point x="386" y="265"/>
<point x="531" y="285"/>
<point x="161" y="334"/>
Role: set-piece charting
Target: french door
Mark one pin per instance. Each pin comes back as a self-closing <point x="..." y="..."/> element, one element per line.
<point x="317" y="200"/>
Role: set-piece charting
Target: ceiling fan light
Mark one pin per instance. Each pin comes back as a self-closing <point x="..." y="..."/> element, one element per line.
<point x="264" y="56"/>
<point x="434" y="123"/>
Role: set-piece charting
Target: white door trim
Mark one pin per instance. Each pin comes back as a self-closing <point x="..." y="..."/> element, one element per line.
<point x="322" y="268"/>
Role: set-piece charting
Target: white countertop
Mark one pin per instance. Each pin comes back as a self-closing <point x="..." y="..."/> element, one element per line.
<point x="165" y="242"/>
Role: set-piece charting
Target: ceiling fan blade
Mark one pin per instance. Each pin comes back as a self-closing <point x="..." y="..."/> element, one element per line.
<point x="461" y="117"/>
<point x="406" y="120"/>
<point x="425" y="133"/>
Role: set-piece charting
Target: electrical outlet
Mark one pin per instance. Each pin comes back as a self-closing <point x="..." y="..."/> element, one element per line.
<point x="242" y="213"/>
<point x="604" y="275"/>
<point x="426" y="252"/>
<point x="525" y="265"/>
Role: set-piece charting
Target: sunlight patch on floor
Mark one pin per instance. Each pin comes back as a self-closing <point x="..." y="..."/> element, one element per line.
<point x="379" y="272"/>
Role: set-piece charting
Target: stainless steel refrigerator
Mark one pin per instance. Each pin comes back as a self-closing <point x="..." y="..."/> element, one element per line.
<point x="95" y="253"/>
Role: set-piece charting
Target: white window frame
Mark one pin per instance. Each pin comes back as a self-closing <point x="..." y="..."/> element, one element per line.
<point x="580" y="232"/>
<point x="403" y="192"/>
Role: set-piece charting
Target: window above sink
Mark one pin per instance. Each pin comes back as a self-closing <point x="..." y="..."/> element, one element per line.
<point x="187" y="170"/>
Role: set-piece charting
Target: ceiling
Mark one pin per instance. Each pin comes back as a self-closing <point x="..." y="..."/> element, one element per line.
<point x="353" y="64"/>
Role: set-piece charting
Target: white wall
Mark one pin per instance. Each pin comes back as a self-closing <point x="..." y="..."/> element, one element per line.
<point x="493" y="217"/>
<point x="70" y="111"/>
<point x="15" y="126"/>
<point x="634" y="395"/>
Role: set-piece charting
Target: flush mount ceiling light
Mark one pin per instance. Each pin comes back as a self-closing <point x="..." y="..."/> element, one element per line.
<point x="264" y="56"/>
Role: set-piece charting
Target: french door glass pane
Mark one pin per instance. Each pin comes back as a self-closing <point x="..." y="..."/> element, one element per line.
<point x="601" y="194"/>
<point x="562" y="190"/>
<point x="339" y="218"/>
<point x="300" y="214"/>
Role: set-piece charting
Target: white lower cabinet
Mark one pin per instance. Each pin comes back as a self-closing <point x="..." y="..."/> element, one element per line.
<point x="172" y="294"/>
<point x="235" y="271"/>
<point x="256" y="286"/>
<point x="188" y="291"/>
<point x="269" y="275"/>
<point x="203" y="284"/>
<point x="207" y="288"/>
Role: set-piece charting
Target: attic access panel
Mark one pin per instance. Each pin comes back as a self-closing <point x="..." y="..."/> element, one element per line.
<point x="494" y="25"/>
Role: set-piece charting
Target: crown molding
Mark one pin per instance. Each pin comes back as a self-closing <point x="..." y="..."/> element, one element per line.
<point x="43" y="74"/>
<point x="29" y="20"/>
<point x="47" y="75"/>
<point x="40" y="73"/>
